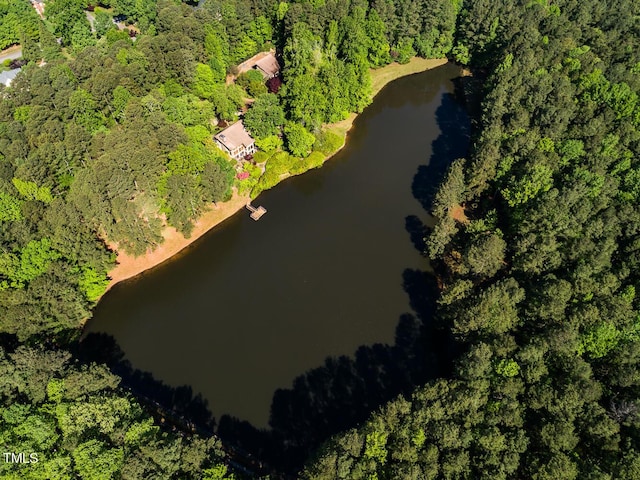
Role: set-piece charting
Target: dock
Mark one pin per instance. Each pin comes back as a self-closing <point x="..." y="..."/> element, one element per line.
<point x="256" y="213"/>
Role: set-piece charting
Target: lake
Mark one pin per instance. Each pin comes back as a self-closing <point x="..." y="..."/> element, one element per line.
<point x="327" y="285"/>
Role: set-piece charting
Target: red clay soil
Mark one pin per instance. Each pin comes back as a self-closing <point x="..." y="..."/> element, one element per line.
<point x="457" y="213"/>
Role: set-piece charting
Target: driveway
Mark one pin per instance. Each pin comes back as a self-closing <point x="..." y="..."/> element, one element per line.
<point x="11" y="53"/>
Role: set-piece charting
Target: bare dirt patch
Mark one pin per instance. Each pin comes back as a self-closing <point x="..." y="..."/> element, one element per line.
<point x="458" y="214"/>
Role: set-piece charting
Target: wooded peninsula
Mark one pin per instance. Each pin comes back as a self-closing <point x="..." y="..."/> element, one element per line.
<point x="107" y="128"/>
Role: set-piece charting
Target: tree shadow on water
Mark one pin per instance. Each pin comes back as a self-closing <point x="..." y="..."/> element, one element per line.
<point x="324" y="401"/>
<point x="336" y="396"/>
<point x="344" y="391"/>
<point x="178" y="406"/>
<point x="452" y="143"/>
<point x="341" y="393"/>
<point x="417" y="231"/>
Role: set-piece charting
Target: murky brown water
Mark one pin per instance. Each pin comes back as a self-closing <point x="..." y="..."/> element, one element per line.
<point x="252" y="305"/>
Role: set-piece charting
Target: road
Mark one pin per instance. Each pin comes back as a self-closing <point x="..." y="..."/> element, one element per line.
<point x="11" y="53"/>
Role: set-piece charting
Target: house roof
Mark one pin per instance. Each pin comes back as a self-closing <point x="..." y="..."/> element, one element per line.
<point x="234" y="136"/>
<point x="7" y="77"/>
<point x="268" y="65"/>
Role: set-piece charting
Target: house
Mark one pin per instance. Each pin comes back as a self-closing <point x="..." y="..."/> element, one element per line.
<point x="236" y="141"/>
<point x="268" y="66"/>
<point x="264" y="62"/>
<point x="7" y="77"/>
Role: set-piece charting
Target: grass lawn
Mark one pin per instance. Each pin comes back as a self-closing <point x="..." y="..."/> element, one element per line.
<point x="381" y="76"/>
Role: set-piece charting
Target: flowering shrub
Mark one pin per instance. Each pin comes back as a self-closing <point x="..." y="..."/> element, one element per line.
<point x="247" y="179"/>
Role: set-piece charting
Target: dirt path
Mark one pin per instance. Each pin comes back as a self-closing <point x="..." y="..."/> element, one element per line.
<point x="458" y="214"/>
<point x="381" y="76"/>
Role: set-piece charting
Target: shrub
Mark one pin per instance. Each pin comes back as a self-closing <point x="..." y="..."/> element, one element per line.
<point x="269" y="144"/>
<point x="247" y="184"/>
<point x="274" y="84"/>
<point x="260" y="157"/>
<point x="298" y="167"/>
<point x="328" y="142"/>
<point x="269" y="179"/>
<point x="252" y="82"/>
<point x="315" y="160"/>
<point x="280" y="162"/>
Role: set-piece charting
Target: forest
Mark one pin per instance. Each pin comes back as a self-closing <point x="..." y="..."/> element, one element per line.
<point x="537" y="250"/>
<point x="106" y="136"/>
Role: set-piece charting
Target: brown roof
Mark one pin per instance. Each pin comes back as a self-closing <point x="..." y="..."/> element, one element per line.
<point x="269" y="65"/>
<point x="234" y="136"/>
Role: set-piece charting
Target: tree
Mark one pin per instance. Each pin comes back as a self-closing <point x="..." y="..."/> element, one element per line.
<point x="298" y="140"/>
<point x="204" y="83"/>
<point x="378" y="44"/>
<point x="183" y="201"/>
<point x="485" y="255"/>
<point x="494" y="311"/>
<point x="121" y="97"/>
<point x="84" y="110"/>
<point x="305" y="100"/>
<point x="48" y="45"/>
<point x="216" y="180"/>
<point x="265" y="117"/>
<point x="31" y="191"/>
<point x="29" y="263"/>
<point x="93" y="284"/>
<point x="217" y="48"/>
<point x="403" y="50"/>
<point x="17" y="19"/>
<point x="103" y="23"/>
<point x="355" y="43"/>
<point x="90" y="427"/>
<point x="9" y="208"/>
<point x="253" y="82"/>
<point x="67" y="17"/>
<point x="226" y="100"/>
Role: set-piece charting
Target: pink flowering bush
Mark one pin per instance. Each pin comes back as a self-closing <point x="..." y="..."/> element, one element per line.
<point x="242" y="175"/>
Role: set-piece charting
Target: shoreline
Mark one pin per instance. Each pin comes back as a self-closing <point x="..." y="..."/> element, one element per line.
<point x="380" y="78"/>
<point x="128" y="266"/>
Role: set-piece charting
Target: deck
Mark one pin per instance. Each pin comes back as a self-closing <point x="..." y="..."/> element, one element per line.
<point x="256" y="213"/>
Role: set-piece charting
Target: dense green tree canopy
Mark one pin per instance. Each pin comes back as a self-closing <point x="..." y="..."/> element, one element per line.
<point x="111" y="139"/>
<point x="539" y="274"/>
<point x="80" y="424"/>
<point x="264" y="117"/>
<point x="19" y="23"/>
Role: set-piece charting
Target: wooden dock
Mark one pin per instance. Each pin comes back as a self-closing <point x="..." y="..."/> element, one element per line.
<point x="256" y="213"/>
